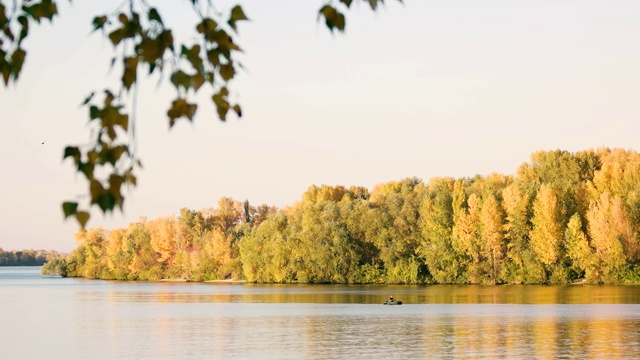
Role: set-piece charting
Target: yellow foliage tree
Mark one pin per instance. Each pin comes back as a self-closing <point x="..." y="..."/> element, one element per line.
<point x="612" y="235"/>
<point x="466" y="236"/>
<point x="492" y="221"/>
<point x="162" y="233"/>
<point x="546" y="235"/>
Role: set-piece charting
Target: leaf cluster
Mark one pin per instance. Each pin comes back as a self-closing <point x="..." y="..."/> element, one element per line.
<point x="142" y="42"/>
<point x="15" y="23"/>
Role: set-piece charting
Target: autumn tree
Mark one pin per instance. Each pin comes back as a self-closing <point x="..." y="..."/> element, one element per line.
<point x="117" y="256"/>
<point x="493" y="244"/>
<point x="144" y="264"/>
<point x="162" y="238"/>
<point x="612" y="236"/>
<point x="467" y="240"/>
<point x="472" y="230"/>
<point x="547" y="228"/>
<point x="619" y="175"/>
<point x="579" y="250"/>
<point x="523" y="266"/>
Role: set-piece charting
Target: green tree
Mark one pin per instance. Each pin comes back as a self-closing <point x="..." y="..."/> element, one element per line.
<point x="265" y="252"/>
<point x="396" y="220"/>
<point x="93" y="263"/>
<point x="436" y="214"/>
<point x="55" y="266"/>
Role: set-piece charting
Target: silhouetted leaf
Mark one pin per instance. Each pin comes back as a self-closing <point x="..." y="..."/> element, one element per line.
<point x="106" y="201"/>
<point x="25" y="28"/>
<point x="3" y="16"/>
<point x="123" y="18"/>
<point x="72" y="151"/>
<point x="154" y="15"/>
<point x="130" y="71"/>
<point x="69" y="208"/>
<point x="227" y="71"/>
<point x="116" y="36"/>
<point x="333" y="18"/>
<point x="82" y="217"/>
<point x="151" y="49"/>
<point x="222" y="105"/>
<point x="131" y="179"/>
<point x="237" y="14"/>
<point x="180" y="79"/>
<point x="7" y="32"/>
<point x="193" y="55"/>
<point x="347" y="2"/>
<point x="99" y="22"/>
<point x="96" y="189"/>
<point x="181" y="108"/>
<point x="94" y="112"/>
<point x="86" y="169"/>
<point x="238" y="110"/>
<point x="123" y="121"/>
<point x="17" y="60"/>
<point x="207" y="27"/>
<point x="214" y="57"/>
<point x="196" y="81"/>
<point x="5" y="68"/>
<point x="88" y="98"/>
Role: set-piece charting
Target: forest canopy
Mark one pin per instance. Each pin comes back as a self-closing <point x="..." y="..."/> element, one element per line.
<point x="562" y="217"/>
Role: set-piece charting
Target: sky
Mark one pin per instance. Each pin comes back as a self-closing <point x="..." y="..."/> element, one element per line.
<point x="425" y="89"/>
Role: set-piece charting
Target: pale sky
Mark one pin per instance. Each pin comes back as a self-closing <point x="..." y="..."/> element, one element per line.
<point x="428" y="88"/>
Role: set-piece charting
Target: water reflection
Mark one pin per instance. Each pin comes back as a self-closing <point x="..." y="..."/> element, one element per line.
<point x="105" y="320"/>
<point x="354" y="294"/>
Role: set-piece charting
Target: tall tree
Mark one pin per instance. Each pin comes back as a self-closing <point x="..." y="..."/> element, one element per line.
<point x="436" y="215"/>
<point x="522" y="267"/>
<point x="619" y="175"/>
<point x="578" y="250"/>
<point x="467" y="239"/>
<point x="163" y="237"/>
<point x="547" y="231"/>
<point x="493" y="244"/>
<point x="612" y="236"/>
<point x="396" y="218"/>
<point x="117" y="258"/>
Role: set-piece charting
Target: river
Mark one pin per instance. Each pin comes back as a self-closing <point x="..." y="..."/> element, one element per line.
<point x="68" y="318"/>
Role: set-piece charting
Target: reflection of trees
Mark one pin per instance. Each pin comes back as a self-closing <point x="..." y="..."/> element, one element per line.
<point x="328" y="321"/>
<point x="549" y="334"/>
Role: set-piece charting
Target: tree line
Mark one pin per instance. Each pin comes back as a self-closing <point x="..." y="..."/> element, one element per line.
<point x="27" y="257"/>
<point x="562" y="217"/>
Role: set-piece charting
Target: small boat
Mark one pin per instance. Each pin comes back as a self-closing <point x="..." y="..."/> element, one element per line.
<point x="389" y="302"/>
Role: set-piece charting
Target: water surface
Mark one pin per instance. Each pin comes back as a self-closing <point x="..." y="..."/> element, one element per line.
<point x="54" y="318"/>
